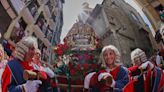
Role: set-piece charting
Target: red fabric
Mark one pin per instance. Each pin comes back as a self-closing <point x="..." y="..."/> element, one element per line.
<point x="114" y="72"/>
<point x="133" y="68"/>
<point x="161" y="85"/>
<point x="7" y="77"/>
<point x="147" y="82"/>
<point x="134" y="71"/>
<point x="94" y="80"/>
<point x="26" y="66"/>
<point x="129" y="87"/>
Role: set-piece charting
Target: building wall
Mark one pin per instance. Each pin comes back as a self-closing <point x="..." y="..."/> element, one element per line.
<point x="150" y="11"/>
<point x="5" y="21"/>
<point x="40" y="18"/>
<point x="126" y="33"/>
<point x="161" y="1"/>
<point x="59" y="23"/>
<point x="135" y="16"/>
<point x="98" y="21"/>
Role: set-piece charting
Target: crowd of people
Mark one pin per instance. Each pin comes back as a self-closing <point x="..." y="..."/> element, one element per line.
<point x="25" y="71"/>
<point x="144" y="76"/>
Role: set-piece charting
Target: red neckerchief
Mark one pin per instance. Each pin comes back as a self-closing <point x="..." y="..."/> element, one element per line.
<point x="133" y="68"/>
<point x="114" y="72"/>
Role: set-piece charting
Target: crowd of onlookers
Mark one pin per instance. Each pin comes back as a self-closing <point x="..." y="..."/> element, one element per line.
<point x="23" y="71"/>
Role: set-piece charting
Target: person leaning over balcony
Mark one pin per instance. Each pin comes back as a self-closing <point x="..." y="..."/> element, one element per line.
<point x="12" y="77"/>
<point x="113" y="78"/>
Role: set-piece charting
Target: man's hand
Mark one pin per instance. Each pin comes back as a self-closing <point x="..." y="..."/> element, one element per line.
<point x="31" y="86"/>
<point x="107" y="79"/>
<point x="146" y="66"/>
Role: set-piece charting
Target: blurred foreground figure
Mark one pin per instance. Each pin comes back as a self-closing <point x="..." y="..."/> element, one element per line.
<point x="145" y="77"/>
<point x="3" y="60"/>
<point x="12" y="78"/>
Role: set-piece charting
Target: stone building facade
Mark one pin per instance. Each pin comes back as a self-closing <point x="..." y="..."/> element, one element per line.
<point x="152" y="9"/>
<point x="122" y="27"/>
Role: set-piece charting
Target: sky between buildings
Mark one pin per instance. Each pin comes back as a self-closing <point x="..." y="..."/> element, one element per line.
<point x="72" y="8"/>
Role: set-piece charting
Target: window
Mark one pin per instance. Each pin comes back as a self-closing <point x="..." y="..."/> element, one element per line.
<point x="18" y="5"/>
<point x="18" y="31"/>
<point x="42" y="23"/>
<point x="33" y="7"/>
<point x="50" y="5"/>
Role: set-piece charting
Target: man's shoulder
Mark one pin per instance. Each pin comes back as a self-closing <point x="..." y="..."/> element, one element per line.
<point x="123" y="68"/>
<point x="13" y="61"/>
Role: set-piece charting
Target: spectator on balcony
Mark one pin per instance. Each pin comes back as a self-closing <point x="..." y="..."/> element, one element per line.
<point x="113" y="78"/>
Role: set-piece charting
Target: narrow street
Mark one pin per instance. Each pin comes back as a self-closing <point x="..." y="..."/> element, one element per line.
<point x="82" y="45"/>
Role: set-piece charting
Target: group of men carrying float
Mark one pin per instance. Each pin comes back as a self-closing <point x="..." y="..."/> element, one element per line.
<point x="144" y="76"/>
